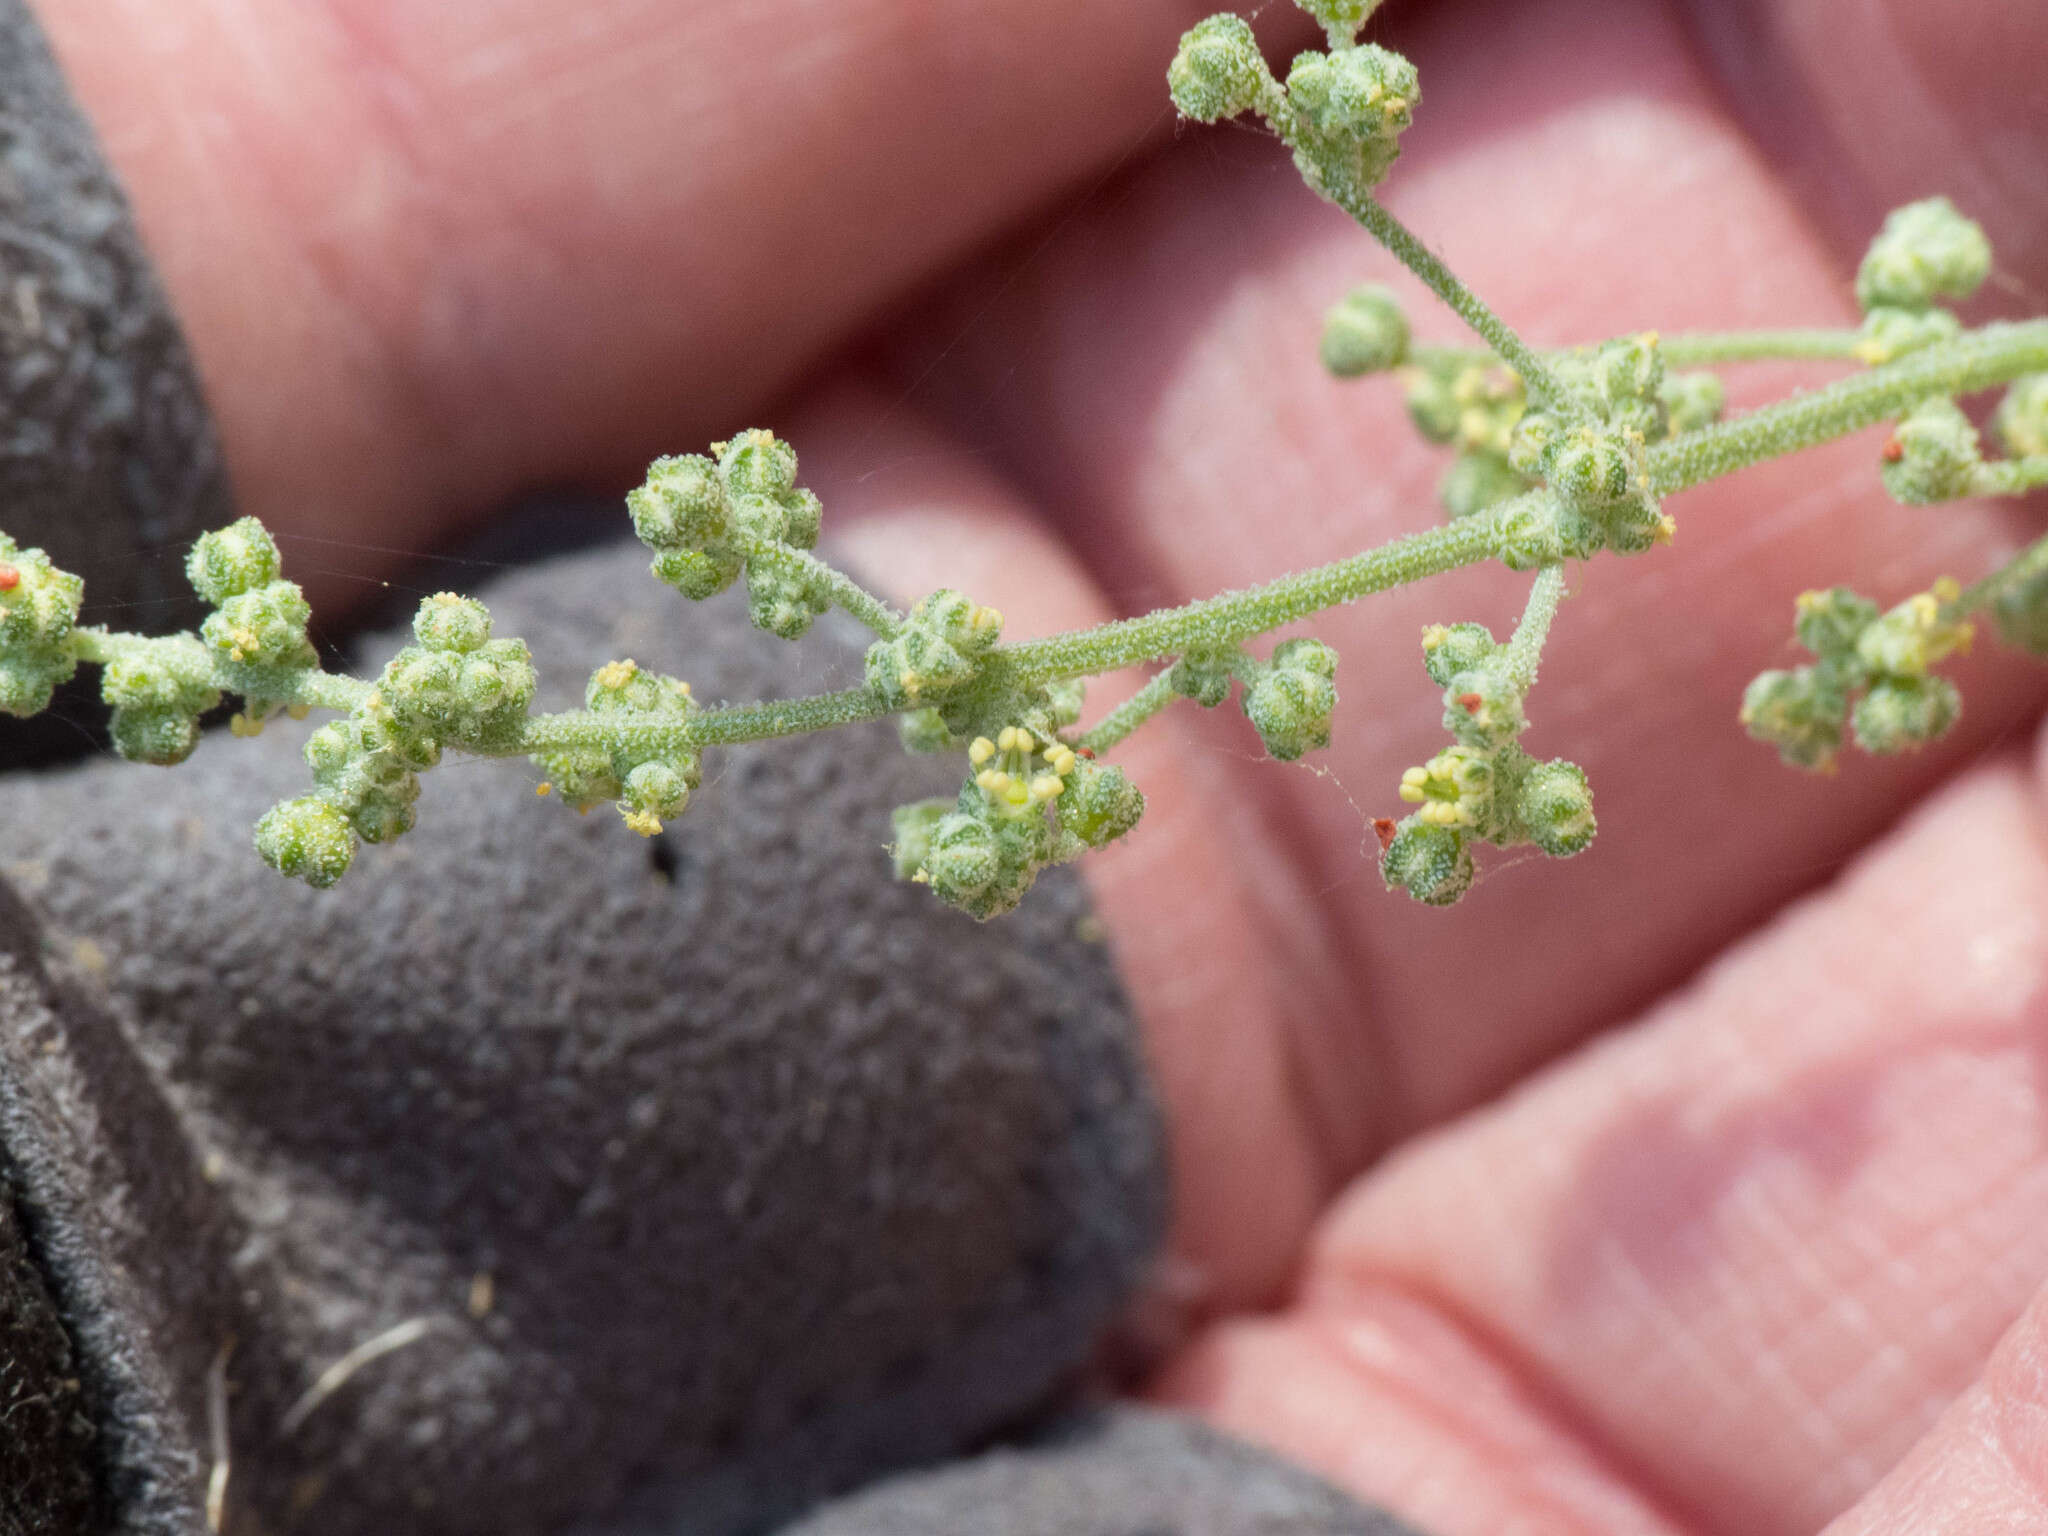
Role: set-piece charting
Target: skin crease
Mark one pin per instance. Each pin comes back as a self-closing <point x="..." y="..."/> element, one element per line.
<point x="1469" y="1219"/>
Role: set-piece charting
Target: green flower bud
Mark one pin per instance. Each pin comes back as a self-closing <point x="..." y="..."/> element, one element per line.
<point x="1904" y="713"/>
<point x="232" y="560"/>
<point x="1589" y="469"/>
<point x="1449" y="649"/>
<point x="960" y="858"/>
<point x="626" y="687"/>
<point x="2022" y="419"/>
<point x="1533" y="534"/>
<point x="1434" y="402"/>
<point x="1691" y="401"/>
<point x="1482" y="708"/>
<point x="1431" y="863"/>
<point x="783" y="599"/>
<point x="1477" y="482"/>
<point x="695" y="574"/>
<point x="756" y="463"/>
<point x="1291" y="701"/>
<point x="681" y="504"/>
<point x="164" y="737"/>
<point x="1203" y="676"/>
<point x="914" y="825"/>
<point x="1350" y="111"/>
<point x="1219" y="71"/>
<point x="384" y="814"/>
<point x="262" y="627"/>
<point x="307" y="840"/>
<point x="446" y="622"/>
<point x="1530" y="444"/>
<point x="1799" y="712"/>
<point x="1555" y="805"/>
<point x="38" y="609"/>
<point x="1933" y="455"/>
<point x="1926" y="251"/>
<point x="1364" y="332"/>
<point x="1890" y="333"/>
<point x="1915" y="635"/>
<point x="1100" y="804"/>
<point x="1621" y="380"/>
<point x="1830" y="623"/>
<point x="1342" y="19"/>
<point x="937" y="651"/>
<point x="658" y="788"/>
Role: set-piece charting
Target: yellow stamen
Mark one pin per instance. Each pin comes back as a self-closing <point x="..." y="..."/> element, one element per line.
<point x="980" y="750"/>
<point x="543" y="788"/>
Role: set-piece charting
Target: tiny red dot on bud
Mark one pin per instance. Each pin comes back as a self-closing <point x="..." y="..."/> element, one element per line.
<point x="1893" y="451"/>
<point x="1471" y="701"/>
<point x="1383" y="829"/>
<point x="1087" y="752"/>
<point x="10" y="578"/>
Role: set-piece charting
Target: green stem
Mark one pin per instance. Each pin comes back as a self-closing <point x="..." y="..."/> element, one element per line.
<point x="1132" y="713"/>
<point x="1231" y="617"/>
<point x="2029" y="562"/>
<point x="1467" y="305"/>
<point x="1977" y="360"/>
<point x="309" y="686"/>
<point x="1689" y="349"/>
<point x="721" y="727"/>
<point x="846" y="592"/>
<point x="1525" y="646"/>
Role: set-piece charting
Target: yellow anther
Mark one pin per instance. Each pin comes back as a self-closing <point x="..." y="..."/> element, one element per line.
<point x="298" y="711"/>
<point x="1434" y="635"/>
<point x="646" y="823"/>
<point x="1047" y="786"/>
<point x="245" y="725"/>
<point x="1026" y="742"/>
<point x="1413" y="793"/>
<point x="994" y="780"/>
<point x="617" y="674"/>
<point x="1947" y="589"/>
<point x="980" y="750"/>
<point x="1667" y="529"/>
<point x="1415" y="776"/>
<point x="1809" y="600"/>
<point x="1006" y="738"/>
<point x="1061" y="760"/>
<point x="1925" y="609"/>
<point x="543" y="789"/>
<point x="985" y="619"/>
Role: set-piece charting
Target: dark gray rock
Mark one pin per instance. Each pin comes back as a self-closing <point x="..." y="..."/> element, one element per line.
<point x="46" y="1450"/>
<point x="705" y="1176"/>
<point x="107" y="459"/>
<point x="1117" y="1472"/>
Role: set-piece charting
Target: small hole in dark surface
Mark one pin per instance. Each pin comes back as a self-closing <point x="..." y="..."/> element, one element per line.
<point x="662" y="857"/>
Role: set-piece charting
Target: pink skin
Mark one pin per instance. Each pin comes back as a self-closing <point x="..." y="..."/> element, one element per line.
<point x="1740" y="1262"/>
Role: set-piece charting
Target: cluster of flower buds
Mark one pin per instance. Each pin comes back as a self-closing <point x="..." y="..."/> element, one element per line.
<point x="1484" y="786"/>
<point x="1343" y="111"/>
<point x="1888" y="656"/>
<point x="1595" y="465"/>
<point x="707" y="520"/>
<point x="1291" y="698"/>
<point x="1364" y="332"/>
<point x="1031" y="801"/>
<point x="38" y="609"/>
<point x="1933" y="455"/>
<point x="642" y="766"/>
<point x="455" y="687"/>
<point x="258" y="618"/>
<point x="1925" y="252"/>
<point x="935" y="654"/>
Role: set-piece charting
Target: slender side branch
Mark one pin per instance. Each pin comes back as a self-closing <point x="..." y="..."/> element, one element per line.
<point x="1525" y="646"/>
<point x="1995" y="354"/>
<point x="1132" y="713"/>
<point x="1467" y="305"/>
<point x="1690" y="349"/>
<point x="849" y="594"/>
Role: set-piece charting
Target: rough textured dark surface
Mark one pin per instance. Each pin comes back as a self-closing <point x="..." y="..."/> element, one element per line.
<point x="1118" y="1472"/>
<point x="724" y="1171"/>
<point x="106" y="455"/>
<point x="46" y="1449"/>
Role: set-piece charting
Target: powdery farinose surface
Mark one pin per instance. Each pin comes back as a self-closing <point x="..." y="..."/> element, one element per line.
<point x="1121" y="1472"/>
<point x="780" y="1173"/>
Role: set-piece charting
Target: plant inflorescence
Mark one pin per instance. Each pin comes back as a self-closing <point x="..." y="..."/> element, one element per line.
<point x="1559" y="456"/>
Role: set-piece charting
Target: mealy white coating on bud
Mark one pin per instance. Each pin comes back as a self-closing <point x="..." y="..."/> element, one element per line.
<point x="1218" y="71"/>
<point x="1925" y="251"/>
<point x="1364" y="332"/>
